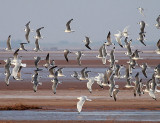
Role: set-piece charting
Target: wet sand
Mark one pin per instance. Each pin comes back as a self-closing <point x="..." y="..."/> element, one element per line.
<point x="21" y="92"/>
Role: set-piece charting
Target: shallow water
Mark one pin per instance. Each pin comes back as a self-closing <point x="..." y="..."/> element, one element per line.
<point x="105" y="115"/>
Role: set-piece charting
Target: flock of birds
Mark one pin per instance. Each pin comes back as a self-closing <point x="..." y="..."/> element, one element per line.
<point x="103" y="79"/>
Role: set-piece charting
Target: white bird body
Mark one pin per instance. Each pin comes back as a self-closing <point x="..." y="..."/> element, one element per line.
<point x="90" y="83"/>
<point x="81" y="101"/>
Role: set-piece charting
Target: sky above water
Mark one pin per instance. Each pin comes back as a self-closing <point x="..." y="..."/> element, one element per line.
<point x="93" y="18"/>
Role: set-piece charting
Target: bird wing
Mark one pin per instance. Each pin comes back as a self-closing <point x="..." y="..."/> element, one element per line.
<point x="109" y="37"/>
<point x="68" y="24"/>
<point x="80" y="105"/>
<point x="158" y="44"/>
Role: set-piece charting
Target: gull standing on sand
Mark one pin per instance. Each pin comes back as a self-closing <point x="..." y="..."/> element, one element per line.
<point x="68" y="28"/>
<point x="81" y="101"/>
<point x="7" y="70"/>
<point x="9" y="43"/>
<point x="79" y="55"/>
<point x="38" y="36"/>
<point x="158" y="22"/>
<point x="87" y="42"/>
<point x="118" y="38"/>
<point x="90" y="83"/>
<point x="37" y="48"/>
<point x="66" y="52"/>
<point x="128" y="83"/>
<point x="22" y="46"/>
<point x="27" y="30"/>
<point x="35" y="80"/>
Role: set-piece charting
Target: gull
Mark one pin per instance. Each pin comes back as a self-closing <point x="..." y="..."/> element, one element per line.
<point x="66" y="52"/>
<point x="19" y="74"/>
<point x="109" y="72"/>
<point x="79" y="55"/>
<point x="87" y="42"/>
<point x="129" y="85"/>
<point x="151" y="94"/>
<point x="125" y="31"/>
<point x="15" y="70"/>
<point x="27" y="30"/>
<point x="37" y="48"/>
<point x="104" y="54"/>
<point x="81" y="101"/>
<point x="141" y="38"/>
<point x="118" y="37"/>
<point x="157" y="71"/>
<point x="38" y="36"/>
<point x="132" y="63"/>
<point x="100" y="55"/>
<point x="75" y="75"/>
<point x="141" y="10"/>
<point x="15" y="55"/>
<point x="90" y="83"/>
<point x="60" y="72"/>
<point x="83" y="77"/>
<point x="86" y="74"/>
<point x="47" y="64"/>
<point x="52" y="63"/>
<point x="158" y="46"/>
<point x="158" y="22"/>
<point x="142" y="24"/>
<point x="52" y="72"/>
<point x="117" y="70"/>
<point x="137" y="82"/>
<point x="35" y="80"/>
<point x="105" y="79"/>
<point x="147" y="86"/>
<point x="68" y="28"/>
<point x="127" y="42"/>
<point x="115" y="92"/>
<point x="9" y="43"/>
<point x="37" y="60"/>
<point x="7" y="70"/>
<point x="22" y="46"/>
<point x="109" y="41"/>
<point x="135" y="55"/>
<point x="144" y="67"/>
<point x="112" y="58"/>
<point x="140" y="88"/>
<point x="112" y="85"/>
<point x="129" y="50"/>
<point x="99" y="79"/>
<point x="55" y="84"/>
<point x="127" y="72"/>
<point x="154" y="84"/>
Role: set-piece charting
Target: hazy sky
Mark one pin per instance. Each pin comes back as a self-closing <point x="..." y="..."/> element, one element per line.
<point x="93" y="18"/>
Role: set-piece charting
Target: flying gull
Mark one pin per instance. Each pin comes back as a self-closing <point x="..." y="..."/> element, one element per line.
<point x="87" y="42"/>
<point x="81" y="101"/>
<point x="68" y="28"/>
<point x="27" y="30"/>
